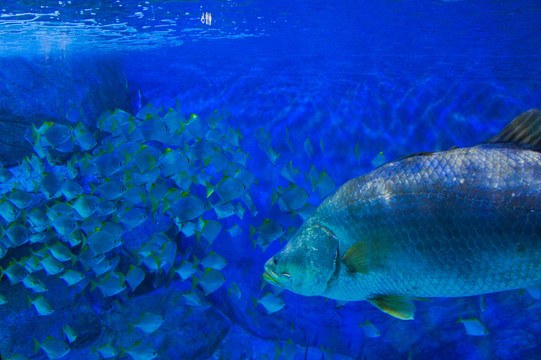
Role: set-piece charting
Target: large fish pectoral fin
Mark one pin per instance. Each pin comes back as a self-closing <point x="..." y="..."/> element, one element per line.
<point x="400" y="307"/>
<point x="357" y="258"/>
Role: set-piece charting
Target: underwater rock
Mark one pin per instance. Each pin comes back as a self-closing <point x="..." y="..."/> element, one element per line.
<point x="237" y="345"/>
<point x="21" y="322"/>
<point x="33" y="91"/>
<point x="186" y="333"/>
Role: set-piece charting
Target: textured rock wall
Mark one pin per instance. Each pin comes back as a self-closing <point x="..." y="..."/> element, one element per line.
<point x="34" y="90"/>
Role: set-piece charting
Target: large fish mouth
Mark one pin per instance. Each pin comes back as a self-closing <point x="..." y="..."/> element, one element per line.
<point x="270" y="277"/>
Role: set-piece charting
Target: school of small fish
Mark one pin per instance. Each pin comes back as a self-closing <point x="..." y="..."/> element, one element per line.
<point x="82" y="198"/>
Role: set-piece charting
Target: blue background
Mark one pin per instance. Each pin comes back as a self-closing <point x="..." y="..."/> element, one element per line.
<point x="386" y="76"/>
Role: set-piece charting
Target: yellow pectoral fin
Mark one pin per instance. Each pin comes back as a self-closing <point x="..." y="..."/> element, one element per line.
<point x="401" y="307"/>
<point x="357" y="258"/>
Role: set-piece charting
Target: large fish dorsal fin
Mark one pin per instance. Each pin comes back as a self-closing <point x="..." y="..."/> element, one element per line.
<point x="524" y="130"/>
<point x="415" y="154"/>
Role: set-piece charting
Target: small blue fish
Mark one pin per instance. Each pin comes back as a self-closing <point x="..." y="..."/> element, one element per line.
<point x="269" y="231"/>
<point x="71" y="189"/>
<point x="201" y="150"/>
<point x="64" y="225"/>
<point x="37" y="219"/>
<point x="8" y="212"/>
<point x="224" y="210"/>
<point x="105" y="265"/>
<point x="210" y="281"/>
<point x="14" y="272"/>
<point x="17" y="234"/>
<point x="58" y="137"/>
<point x="85" y="205"/>
<point x="42" y="306"/>
<point x="83" y="137"/>
<point x="50" y="185"/>
<point x="110" y="189"/>
<point x="369" y="329"/>
<point x="192" y="299"/>
<point x="289" y="172"/>
<point x="272" y="303"/>
<point x="108" y="164"/>
<point x="21" y="199"/>
<point x="101" y="242"/>
<point x="290" y="198"/>
<point x="210" y="230"/>
<point x="105" y="208"/>
<point x="148" y="322"/>
<point x="132" y="218"/>
<point x="234" y="230"/>
<point x="188" y="207"/>
<point x="51" y="265"/>
<point x="110" y="122"/>
<point x="111" y="284"/>
<point x="473" y="327"/>
<point x="186" y="269"/>
<point x="214" y="261"/>
<point x="134" y="277"/>
<point x="173" y="162"/>
<point x="147" y="158"/>
<point x="140" y="352"/>
<point x="228" y="189"/>
<point x="219" y="161"/>
<point x="70" y="334"/>
<point x="72" y="277"/>
<point x="53" y="348"/>
<point x="107" y="351"/>
<point x="35" y="284"/>
<point x="234" y="291"/>
<point x="60" y="252"/>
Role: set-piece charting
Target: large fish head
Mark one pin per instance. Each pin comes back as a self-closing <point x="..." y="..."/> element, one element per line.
<point x="307" y="262"/>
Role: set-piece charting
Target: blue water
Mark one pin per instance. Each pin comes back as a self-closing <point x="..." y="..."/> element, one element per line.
<point x="356" y="78"/>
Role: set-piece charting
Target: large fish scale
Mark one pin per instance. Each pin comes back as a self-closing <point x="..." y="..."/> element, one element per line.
<point x="453" y="223"/>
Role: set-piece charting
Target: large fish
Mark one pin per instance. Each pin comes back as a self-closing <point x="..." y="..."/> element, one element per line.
<point x="461" y="222"/>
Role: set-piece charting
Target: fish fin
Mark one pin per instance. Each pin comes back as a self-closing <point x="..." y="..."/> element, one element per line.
<point x="525" y="130"/>
<point x="37" y="345"/>
<point x="417" y="298"/>
<point x="253" y="230"/>
<point x="357" y="258"/>
<point x="415" y="154"/>
<point x="400" y="307"/>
